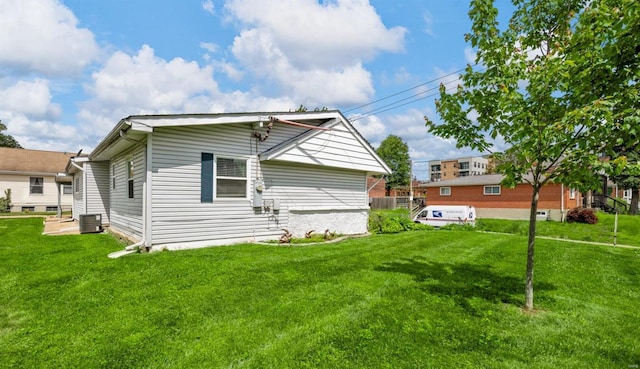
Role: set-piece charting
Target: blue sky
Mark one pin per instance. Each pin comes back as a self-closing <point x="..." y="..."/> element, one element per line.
<point x="71" y="69"/>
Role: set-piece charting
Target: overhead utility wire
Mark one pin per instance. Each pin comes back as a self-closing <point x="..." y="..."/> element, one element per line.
<point x="395" y="105"/>
<point x="403" y="91"/>
<point x="411" y="99"/>
<point x="390" y="105"/>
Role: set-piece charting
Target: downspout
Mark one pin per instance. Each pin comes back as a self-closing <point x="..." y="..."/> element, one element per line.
<point x="561" y="203"/>
<point x="146" y="204"/>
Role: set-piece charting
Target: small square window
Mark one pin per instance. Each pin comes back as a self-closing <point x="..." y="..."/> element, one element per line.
<point x="445" y="191"/>
<point x="492" y="190"/>
<point x="67" y="189"/>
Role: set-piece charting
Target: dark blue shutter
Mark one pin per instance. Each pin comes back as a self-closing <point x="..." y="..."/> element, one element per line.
<point x="206" y="178"/>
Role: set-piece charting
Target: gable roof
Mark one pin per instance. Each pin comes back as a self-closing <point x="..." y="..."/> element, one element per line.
<point x="356" y="153"/>
<point x="338" y="145"/>
<point x="24" y="161"/>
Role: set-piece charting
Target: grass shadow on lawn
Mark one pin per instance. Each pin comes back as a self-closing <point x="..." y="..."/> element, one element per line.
<point x="464" y="282"/>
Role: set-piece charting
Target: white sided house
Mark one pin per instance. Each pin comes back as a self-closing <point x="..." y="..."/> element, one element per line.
<point x="196" y="180"/>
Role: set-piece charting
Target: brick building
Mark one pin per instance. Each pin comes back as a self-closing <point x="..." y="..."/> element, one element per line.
<point x="493" y="200"/>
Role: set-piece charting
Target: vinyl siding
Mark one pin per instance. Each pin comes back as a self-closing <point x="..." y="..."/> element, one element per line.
<point x="179" y="216"/>
<point x="126" y="215"/>
<point x="20" y="196"/>
<point x="78" y="194"/>
<point x="335" y="148"/>
<point x="97" y="189"/>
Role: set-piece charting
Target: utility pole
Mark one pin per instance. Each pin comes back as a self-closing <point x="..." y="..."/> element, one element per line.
<point x="411" y="183"/>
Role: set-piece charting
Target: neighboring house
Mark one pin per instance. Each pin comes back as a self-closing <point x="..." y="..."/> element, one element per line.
<point x="376" y="187"/>
<point x="90" y="187"/>
<point x="196" y="180"/>
<point x="36" y="179"/>
<point x="493" y="200"/>
<point x="443" y="170"/>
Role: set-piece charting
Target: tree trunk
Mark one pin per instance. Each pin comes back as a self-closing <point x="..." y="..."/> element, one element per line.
<point x="528" y="300"/>
<point x="633" y="206"/>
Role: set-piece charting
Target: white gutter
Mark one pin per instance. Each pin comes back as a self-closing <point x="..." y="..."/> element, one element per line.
<point x="146" y="206"/>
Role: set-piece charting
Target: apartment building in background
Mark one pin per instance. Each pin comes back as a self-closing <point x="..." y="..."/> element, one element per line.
<point x="442" y="170"/>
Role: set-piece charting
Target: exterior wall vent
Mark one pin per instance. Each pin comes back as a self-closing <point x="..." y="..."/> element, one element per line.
<point x="90" y="223"/>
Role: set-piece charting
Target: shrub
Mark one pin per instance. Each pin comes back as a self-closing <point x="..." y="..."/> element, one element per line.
<point x="582" y="215"/>
<point x="392" y="222"/>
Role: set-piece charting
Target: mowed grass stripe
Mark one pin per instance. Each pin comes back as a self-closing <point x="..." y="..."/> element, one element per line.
<point x="414" y="299"/>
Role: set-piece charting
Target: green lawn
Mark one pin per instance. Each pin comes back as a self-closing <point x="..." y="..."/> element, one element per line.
<point x="420" y="299"/>
<point x="603" y="231"/>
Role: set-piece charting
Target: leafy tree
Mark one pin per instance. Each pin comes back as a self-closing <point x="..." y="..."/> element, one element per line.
<point x="302" y="109"/>
<point x="395" y="153"/>
<point x="625" y="178"/>
<point x="553" y="84"/>
<point x="7" y="140"/>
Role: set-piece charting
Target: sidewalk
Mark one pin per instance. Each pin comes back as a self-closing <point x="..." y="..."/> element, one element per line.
<point x="54" y="226"/>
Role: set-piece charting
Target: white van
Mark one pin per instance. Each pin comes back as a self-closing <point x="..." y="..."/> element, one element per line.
<point x="441" y="215"/>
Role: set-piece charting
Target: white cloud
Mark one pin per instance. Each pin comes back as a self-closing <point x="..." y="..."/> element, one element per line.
<point x="313" y="51"/>
<point x="229" y="69"/>
<point x="42" y="134"/>
<point x="326" y="34"/>
<point x="43" y="36"/>
<point x="145" y="81"/>
<point x="370" y="127"/>
<point x="208" y="6"/>
<point x="146" y="84"/>
<point x="470" y="55"/>
<point x="210" y="47"/>
<point x="428" y="23"/>
<point x="32" y="99"/>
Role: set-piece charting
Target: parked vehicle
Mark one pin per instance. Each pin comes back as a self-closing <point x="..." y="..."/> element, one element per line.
<point x="441" y="215"/>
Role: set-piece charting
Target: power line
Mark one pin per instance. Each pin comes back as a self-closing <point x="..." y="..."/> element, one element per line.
<point x="403" y="91"/>
<point x="402" y="102"/>
<point x="395" y="104"/>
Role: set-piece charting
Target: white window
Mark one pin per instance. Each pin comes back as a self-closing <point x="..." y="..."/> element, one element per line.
<point x="445" y="191"/>
<point x="67" y="189"/>
<point x="492" y="190"/>
<point x="113" y="176"/>
<point x="36" y="185"/>
<point x="572" y="193"/>
<point x="231" y="178"/>
<point x="77" y="184"/>
<point x="130" y="175"/>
